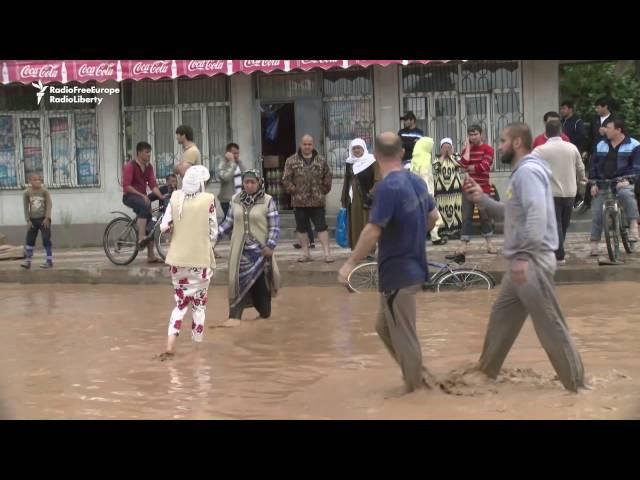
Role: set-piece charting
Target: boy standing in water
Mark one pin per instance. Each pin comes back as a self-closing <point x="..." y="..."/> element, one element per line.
<point x="37" y="213"/>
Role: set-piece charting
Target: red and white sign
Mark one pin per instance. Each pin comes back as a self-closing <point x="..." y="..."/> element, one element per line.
<point x="250" y="66"/>
<point x="97" y="70"/>
<point x="368" y="63"/>
<point x="154" y="69"/>
<point x="193" y="68"/>
<point x="28" y="71"/>
<point x="33" y="71"/>
<point x="307" y="65"/>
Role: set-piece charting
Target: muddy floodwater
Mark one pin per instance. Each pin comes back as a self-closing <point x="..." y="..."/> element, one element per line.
<point x="87" y="352"/>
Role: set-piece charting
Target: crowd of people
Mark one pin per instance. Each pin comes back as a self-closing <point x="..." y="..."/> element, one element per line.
<point x="396" y="198"/>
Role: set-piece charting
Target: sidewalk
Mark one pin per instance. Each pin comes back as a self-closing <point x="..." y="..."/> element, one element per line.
<point x="90" y="265"/>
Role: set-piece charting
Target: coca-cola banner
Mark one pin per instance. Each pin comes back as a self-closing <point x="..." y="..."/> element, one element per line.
<point x="324" y="64"/>
<point x="28" y="71"/>
<point x="193" y="68"/>
<point x="47" y="71"/>
<point x="96" y="70"/>
<point x="368" y="63"/>
<point x="153" y="69"/>
<point x="250" y="66"/>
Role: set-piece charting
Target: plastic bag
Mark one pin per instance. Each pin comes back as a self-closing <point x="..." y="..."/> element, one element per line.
<point x="342" y="238"/>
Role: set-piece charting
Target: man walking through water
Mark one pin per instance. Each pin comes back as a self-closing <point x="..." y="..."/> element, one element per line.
<point x="530" y="240"/>
<point x="402" y="214"/>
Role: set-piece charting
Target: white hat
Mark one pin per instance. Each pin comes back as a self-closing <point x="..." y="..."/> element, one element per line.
<point x="446" y="140"/>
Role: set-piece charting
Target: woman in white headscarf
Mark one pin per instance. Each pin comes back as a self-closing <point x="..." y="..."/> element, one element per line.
<point x="362" y="173"/>
<point x="191" y="217"/>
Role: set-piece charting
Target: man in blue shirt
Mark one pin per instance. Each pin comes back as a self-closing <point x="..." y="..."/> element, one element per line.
<point x="402" y="214"/>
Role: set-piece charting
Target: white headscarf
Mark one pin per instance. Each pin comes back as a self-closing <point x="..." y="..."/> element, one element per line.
<point x="192" y="183"/>
<point x="360" y="163"/>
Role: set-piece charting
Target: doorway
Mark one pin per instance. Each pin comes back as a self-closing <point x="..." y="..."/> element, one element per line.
<point x="278" y="133"/>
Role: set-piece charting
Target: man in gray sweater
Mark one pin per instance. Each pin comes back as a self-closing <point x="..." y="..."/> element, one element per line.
<point x="530" y="240"/>
<point x="567" y="171"/>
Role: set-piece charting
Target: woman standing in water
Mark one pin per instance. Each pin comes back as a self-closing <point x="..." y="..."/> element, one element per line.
<point x="362" y="173"/>
<point x="253" y="272"/>
<point x="448" y="189"/>
<point x="191" y="216"/>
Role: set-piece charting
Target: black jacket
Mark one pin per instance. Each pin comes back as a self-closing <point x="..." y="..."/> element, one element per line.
<point x="365" y="181"/>
<point x="573" y="127"/>
<point x="596" y="138"/>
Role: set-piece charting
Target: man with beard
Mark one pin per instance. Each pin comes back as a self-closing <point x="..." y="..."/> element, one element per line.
<point x="530" y="240"/>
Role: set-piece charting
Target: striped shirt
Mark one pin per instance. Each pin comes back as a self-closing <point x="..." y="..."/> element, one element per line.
<point x="481" y="157"/>
<point x="273" y="222"/>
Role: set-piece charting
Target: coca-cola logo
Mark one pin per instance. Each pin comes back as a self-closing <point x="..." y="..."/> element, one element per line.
<point x="205" y="65"/>
<point x="151" y="68"/>
<point x="100" y="70"/>
<point x="44" y="71"/>
<point x="262" y="63"/>
<point x="314" y="62"/>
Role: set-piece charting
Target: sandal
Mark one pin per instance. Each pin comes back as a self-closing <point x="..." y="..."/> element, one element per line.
<point x="155" y="260"/>
<point x="304" y="259"/>
<point x="329" y="259"/>
<point x="594" y="253"/>
<point x="492" y="250"/>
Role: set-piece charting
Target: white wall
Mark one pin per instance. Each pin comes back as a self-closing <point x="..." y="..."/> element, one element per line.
<point x="386" y="98"/>
<point x="82" y="205"/>
<point x="243" y="121"/>
<point x="540" y="92"/>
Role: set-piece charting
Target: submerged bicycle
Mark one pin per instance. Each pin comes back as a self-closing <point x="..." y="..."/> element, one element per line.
<point x="446" y="277"/>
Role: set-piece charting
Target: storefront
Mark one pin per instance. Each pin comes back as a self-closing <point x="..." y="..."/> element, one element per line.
<point x="263" y="105"/>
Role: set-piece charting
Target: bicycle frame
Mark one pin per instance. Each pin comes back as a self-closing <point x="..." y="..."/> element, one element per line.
<point x="442" y="269"/>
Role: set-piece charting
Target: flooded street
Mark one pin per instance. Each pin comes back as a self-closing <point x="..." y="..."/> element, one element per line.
<point x="86" y="352"/>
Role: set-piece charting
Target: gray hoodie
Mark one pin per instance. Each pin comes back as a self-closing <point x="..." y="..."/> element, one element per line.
<point x="530" y="229"/>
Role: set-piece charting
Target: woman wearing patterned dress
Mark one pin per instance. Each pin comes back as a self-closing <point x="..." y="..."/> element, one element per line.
<point x="448" y="189"/>
<point x="191" y="216"/>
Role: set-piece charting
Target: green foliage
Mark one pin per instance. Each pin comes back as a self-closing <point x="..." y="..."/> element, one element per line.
<point x="585" y="83"/>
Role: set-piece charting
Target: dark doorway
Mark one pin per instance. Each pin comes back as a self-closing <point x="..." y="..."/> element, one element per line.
<point x="278" y="143"/>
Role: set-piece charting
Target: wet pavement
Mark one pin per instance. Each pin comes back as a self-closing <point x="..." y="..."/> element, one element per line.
<point x="86" y="352"/>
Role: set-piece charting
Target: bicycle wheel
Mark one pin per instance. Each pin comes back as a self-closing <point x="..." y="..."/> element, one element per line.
<point x="629" y="246"/>
<point x="612" y="234"/>
<point x="162" y="241"/>
<point x="464" y="279"/>
<point x="363" y="277"/>
<point x="120" y="241"/>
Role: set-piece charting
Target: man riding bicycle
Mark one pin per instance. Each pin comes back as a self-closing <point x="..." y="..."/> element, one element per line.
<point x="137" y="174"/>
<point x="618" y="159"/>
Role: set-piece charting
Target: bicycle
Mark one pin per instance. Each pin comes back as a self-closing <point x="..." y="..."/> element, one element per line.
<point x="365" y="277"/>
<point x="615" y="222"/>
<point x="120" y="239"/>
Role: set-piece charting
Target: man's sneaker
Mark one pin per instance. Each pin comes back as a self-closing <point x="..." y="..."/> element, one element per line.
<point x="47" y="264"/>
<point x="26" y="264"/>
<point x="312" y="245"/>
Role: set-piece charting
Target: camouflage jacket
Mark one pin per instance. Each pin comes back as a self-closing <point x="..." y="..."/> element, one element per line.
<point x="307" y="183"/>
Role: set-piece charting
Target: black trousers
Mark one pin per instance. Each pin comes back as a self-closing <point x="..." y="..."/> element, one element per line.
<point x="564" y="209"/>
<point x="258" y="297"/>
<point x="32" y="233"/>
